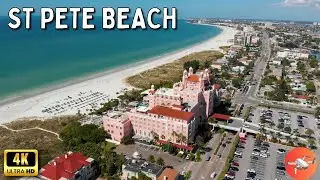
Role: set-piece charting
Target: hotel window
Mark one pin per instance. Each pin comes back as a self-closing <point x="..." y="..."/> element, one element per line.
<point x="120" y="127"/>
<point x="120" y="134"/>
<point x="117" y="127"/>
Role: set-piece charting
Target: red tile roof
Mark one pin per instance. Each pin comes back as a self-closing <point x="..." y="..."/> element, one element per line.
<point x="171" y="174"/>
<point x="220" y="116"/>
<point x="64" y="166"/>
<point x="169" y="112"/>
<point x="300" y="96"/>
<point x="193" y="78"/>
<point x="179" y="146"/>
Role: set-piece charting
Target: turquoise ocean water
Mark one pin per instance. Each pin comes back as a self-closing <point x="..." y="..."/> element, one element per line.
<point x="31" y="59"/>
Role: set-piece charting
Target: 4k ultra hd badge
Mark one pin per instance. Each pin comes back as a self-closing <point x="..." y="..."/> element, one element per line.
<point x="20" y="162"/>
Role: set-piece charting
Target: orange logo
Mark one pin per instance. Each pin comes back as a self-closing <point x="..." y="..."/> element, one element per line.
<point x="300" y="163"/>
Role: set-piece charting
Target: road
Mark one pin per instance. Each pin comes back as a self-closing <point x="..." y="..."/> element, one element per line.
<point x="250" y="95"/>
<point x="215" y="164"/>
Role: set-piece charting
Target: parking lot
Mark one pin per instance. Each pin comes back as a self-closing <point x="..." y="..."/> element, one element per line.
<point x="147" y="150"/>
<point x="255" y="165"/>
<point x="285" y="119"/>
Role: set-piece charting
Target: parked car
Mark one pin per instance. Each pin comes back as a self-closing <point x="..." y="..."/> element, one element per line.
<point x="234" y="168"/>
<point x="255" y="153"/>
<point x="282" y="168"/>
<point x="281" y="151"/>
<point x="254" y="157"/>
<point x="208" y="158"/>
<point x="263" y="155"/>
<point x="238" y="153"/>
<point x="235" y="164"/>
<point x="213" y="175"/>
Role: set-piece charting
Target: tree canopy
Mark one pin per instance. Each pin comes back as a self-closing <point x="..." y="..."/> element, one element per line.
<point x="195" y="64"/>
<point x="90" y="140"/>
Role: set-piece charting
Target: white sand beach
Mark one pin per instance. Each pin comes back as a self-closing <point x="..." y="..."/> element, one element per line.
<point x="84" y="93"/>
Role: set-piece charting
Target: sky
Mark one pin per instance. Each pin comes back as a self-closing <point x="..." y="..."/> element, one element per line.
<point x="301" y="10"/>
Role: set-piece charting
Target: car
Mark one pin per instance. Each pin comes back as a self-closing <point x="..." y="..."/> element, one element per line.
<point x="254" y="158"/>
<point x="188" y="157"/>
<point x="263" y="155"/>
<point x="240" y="146"/>
<point x="251" y="171"/>
<point x="255" y="153"/>
<point x="256" y="150"/>
<point x="213" y="175"/>
<point x="235" y="164"/>
<point x="243" y="142"/>
<point x="223" y="145"/>
<point x="238" y="156"/>
<point x="280" y="173"/>
<point x="208" y="158"/>
<point x="246" y="126"/>
<point x="281" y="151"/>
<point x="234" y="168"/>
<point x="282" y="168"/>
<point x="281" y="164"/>
<point x="266" y="144"/>
<point x="238" y="153"/>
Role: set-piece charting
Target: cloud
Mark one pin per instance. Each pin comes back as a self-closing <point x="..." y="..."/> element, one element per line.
<point x="309" y="3"/>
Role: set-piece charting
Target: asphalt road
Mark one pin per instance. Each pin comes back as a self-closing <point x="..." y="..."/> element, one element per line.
<point x="215" y="164"/>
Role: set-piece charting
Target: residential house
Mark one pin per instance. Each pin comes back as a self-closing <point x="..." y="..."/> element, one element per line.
<point x="73" y="166"/>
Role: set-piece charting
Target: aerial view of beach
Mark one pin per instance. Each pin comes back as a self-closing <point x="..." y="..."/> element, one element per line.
<point x="88" y="91"/>
<point x="160" y="90"/>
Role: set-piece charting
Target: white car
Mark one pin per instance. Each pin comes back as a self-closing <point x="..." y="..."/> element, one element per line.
<point x="263" y="155"/>
<point x="246" y="126"/>
<point x="255" y="153"/>
<point x="213" y="175"/>
<point x="229" y="176"/>
<point x="238" y="153"/>
<point x="251" y="170"/>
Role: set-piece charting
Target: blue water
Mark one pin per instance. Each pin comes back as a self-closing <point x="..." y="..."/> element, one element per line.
<point x="36" y="58"/>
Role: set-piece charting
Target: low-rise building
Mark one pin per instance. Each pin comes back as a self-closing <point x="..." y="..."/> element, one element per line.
<point x="170" y="174"/>
<point x="294" y="54"/>
<point x="117" y="124"/>
<point x="73" y="166"/>
<point x="136" y="165"/>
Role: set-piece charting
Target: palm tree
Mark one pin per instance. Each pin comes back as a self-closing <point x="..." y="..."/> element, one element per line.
<point x="295" y="132"/>
<point x="279" y="135"/>
<point x="272" y="124"/>
<point x="288" y="138"/>
<point x="296" y="140"/>
<point x="173" y="134"/>
<point x="184" y="139"/>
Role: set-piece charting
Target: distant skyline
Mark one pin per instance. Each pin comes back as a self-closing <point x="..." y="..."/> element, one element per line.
<point x="300" y="10"/>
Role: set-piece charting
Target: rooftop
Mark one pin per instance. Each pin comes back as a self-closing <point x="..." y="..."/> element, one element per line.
<point x="220" y="116"/>
<point x="65" y="166"/>
<point x="194" y="78"/>
<point x="165" y="91"/>
<point x="165" y="111"/>
<point x="137" y="165"/>
<point x="171" y="174"/>
<point x="117" y="115"/>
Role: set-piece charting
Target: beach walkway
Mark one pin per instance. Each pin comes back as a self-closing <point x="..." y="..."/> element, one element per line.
<point x="37" y="128"/>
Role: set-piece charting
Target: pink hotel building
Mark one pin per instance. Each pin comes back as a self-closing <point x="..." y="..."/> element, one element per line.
<point x="178" y="110"/>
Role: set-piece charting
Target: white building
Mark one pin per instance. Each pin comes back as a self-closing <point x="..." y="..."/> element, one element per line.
<point x="292" y="54"/>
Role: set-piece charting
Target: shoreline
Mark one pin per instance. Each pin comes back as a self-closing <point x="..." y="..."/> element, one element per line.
<point x="72" y="81"/>
<point x="110" y="82"/>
